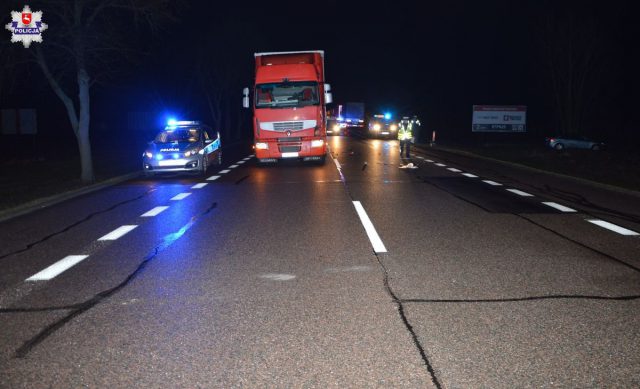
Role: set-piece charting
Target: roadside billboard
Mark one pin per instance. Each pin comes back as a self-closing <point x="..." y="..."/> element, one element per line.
<point x="499" y="118"/>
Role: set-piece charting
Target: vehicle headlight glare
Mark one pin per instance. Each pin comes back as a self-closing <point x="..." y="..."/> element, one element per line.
<point x="393" y="127"/>
<point x="262" y="146"/>
<point x="148" y="154"/>
<point x="317" y="143"/>
<point x="376" y="127"/>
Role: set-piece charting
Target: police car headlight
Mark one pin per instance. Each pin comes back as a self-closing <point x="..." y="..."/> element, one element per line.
<point x="147" y="154"/>
<point x="376" y="127"/>
<point x="191" y="152"/>
<point x="336" y="128"/>
<point x="393" y="127"/>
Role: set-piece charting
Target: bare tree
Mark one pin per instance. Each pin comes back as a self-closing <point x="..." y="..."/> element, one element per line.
<point x="575" y="58"/>
<point x="86" y="42"/>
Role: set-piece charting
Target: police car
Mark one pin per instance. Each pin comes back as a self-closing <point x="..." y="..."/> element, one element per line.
<point x="382" y="126"/>
<point x="183" y="146"/>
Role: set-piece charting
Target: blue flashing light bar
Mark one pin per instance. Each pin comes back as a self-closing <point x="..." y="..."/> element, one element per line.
<point x="387" y="115"/>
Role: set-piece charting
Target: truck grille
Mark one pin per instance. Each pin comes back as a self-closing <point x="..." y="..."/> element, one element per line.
<point x="284" y="126"/>
<point x="289" y="149"/>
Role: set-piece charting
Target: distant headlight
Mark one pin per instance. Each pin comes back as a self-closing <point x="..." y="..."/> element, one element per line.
<point x="262" y="146"/>
<point x="148" y="154"/>
<point x="317" y="143"/>
<point x="336" y="128"/>
<point x="376" y="127"/>
<point x="393" y="127"/>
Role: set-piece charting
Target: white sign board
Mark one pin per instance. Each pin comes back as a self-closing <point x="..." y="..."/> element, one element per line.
<point x="499" y="118"/>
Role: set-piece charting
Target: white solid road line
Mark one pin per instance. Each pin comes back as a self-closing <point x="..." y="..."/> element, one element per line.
<point x="559" y="207"/>
<point x="154" y="212"/>
<point x="440" y="164"/>
<point x="452" y="169"/>
<point x="492" y="183"/>
<point x="57" y="268"/>
<point x="180" y="196"/>
<point x="213" y="178"/>
<point x="613" y="227"/>
<point x="118" y="232"/>
<point x="378" y="246"/>
<point x="520" y="193"/>
<point x="225" y="171"/>
<point x="469" y="175"/>
<point x="233" y="166"/>
<point x="200" y="185"/>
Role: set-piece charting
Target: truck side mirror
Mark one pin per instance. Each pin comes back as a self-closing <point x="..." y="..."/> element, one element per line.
<point x="245" y="98"/>
<point x="328" y="97"/>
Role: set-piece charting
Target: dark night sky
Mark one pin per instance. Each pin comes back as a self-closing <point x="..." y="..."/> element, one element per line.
<point x="432" y="58"/>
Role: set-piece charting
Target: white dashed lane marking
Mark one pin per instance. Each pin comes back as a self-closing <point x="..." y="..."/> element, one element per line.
<point x="559" y="207"/>
<point x="199" y="186"/>
<point x="225" y="171"/>
<point x="233" y="166"/>
<point x="492" y="182"/>
<point x="452" y="169"/>
<point x="57" y="268"/>
<point x="613" y="227"/>
<point x="378" y="246"/>
<point x="180" y="196"/>
<point x="441" y="164"/>
<point x="118" y="232"/>
<point x="469" y="175"/>
<point x="154" y="212"/>
<point x="428" y="160"/>
<point x="213" y="178"/>
<point x="520" y="193"/>
<point x="240" y="162"/>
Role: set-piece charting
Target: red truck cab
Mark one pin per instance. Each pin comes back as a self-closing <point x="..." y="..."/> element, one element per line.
<point x="289" y="102"/>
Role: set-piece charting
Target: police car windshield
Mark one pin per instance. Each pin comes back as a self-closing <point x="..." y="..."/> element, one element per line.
<point x="287" y="94"/>
<point x="180" y="135"/>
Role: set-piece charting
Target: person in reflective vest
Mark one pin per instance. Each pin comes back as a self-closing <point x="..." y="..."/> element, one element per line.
<point x="405" y="136"/>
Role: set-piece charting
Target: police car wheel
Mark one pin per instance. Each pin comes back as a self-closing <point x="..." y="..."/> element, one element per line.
<point x="203" y="166"/>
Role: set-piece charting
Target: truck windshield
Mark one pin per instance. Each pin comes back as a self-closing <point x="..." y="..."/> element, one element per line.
<point x="287" y="94"/>
<point x="190" y="135"/>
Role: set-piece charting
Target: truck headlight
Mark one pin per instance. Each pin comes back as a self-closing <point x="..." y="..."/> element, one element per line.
<point x="317" y="143"/>
<point x="262" y="146"/>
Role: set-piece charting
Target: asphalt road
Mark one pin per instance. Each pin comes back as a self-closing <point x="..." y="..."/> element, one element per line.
<point x="460" y="273"/>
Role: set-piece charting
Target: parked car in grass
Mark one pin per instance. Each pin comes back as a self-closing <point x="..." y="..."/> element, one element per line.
<point x="578" y="142"/>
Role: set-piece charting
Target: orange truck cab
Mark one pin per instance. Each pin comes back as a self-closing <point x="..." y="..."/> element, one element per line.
<point x="289" y="99"/>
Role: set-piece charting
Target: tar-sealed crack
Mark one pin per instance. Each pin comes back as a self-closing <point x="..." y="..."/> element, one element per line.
<point x="242" y="179"/>
<point x="79" y="309"/>
<point x="398" y="302"/>
<point x="69" y="227"/>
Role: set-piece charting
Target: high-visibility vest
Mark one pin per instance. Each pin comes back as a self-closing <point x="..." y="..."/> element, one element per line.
<point x="404" y="133"/>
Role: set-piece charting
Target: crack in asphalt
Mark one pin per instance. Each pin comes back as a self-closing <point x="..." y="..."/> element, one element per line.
<point x="79" y="309"/>
<point x="610" y="257"/>
<point x="242" y="179"/>
<point x="527" y="298"/>
<point x="398" y="302"/>
<point x="69" y="227"/>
